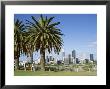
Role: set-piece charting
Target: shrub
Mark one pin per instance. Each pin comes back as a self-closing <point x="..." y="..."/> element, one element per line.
<point x="52" y="68"/>
<point x="47" y="68"/>
<point x="21" y="67"/>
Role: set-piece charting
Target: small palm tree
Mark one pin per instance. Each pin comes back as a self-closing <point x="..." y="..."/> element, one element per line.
<point x="44" y="35"/>
<point x="18" y="41"/>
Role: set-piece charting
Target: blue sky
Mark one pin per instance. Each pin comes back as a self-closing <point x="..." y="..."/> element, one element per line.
<point x="80" y="32"/>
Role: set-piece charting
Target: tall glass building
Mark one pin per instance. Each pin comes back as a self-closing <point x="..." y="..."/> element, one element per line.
<point x="63" y="54"/>
<point x="91" y="57"/>
<point x="69" y="58"/>
<point x="74" y="54"/>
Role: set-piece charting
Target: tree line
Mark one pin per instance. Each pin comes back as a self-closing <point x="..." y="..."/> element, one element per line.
<point x="38" y="34"/>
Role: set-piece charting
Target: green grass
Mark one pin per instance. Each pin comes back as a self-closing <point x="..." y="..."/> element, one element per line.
<point x="52" y="73"/>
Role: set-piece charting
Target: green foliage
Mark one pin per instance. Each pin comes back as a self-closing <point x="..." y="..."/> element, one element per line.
<point x="44" y="34"/>
<point x="86" y="68"/>
<point x="18" y="38"/>
<point x="40" y="34"/>
<point x="18" y="41"/>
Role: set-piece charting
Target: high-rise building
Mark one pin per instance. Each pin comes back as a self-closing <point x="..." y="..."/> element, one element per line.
<point x="74" y="54"/>
<point x="70" y="59"/>
<point x="91" y="57"/>
<point x="63" y="56"/>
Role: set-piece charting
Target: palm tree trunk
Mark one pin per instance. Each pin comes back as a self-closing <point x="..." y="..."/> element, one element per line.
<point x="17" y="62"/>
<point x="31" y="57"/>
<point x="30" y="54"/>
<point x="42" y="61"/>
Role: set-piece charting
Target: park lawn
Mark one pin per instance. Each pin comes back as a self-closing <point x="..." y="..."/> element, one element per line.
<point x="52" y="73"/>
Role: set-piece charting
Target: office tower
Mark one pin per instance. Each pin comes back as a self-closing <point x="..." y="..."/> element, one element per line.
<point x="63" y="54"/>
<point x="74" y="54"/>
<point x="91" y="57"/>
<point x="70" y="59"/>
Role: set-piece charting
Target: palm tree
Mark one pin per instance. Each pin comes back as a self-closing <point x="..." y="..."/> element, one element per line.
<point x="18" y="41"/>
<point x="44" y="35"/>
<point x="28" y="45"/>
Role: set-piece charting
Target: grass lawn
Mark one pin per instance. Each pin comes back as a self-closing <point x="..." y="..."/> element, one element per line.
<point x="52" y="73"/>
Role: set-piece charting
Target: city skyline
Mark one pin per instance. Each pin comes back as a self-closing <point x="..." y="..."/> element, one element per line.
<point x="69" y="59"/>
<point x="80" y="32"/>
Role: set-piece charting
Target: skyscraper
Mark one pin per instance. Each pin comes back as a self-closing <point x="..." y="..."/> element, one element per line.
<point x="70" y="59"/>
<point x="91" y="57"/>
<point x="74" y="54"/>
<point x="63" y="54"/>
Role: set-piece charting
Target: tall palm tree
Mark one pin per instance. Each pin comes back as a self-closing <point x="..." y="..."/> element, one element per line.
<point x="29" y="47"/>
<point x="45" y="35"/>
<point x="18" y="41"/>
